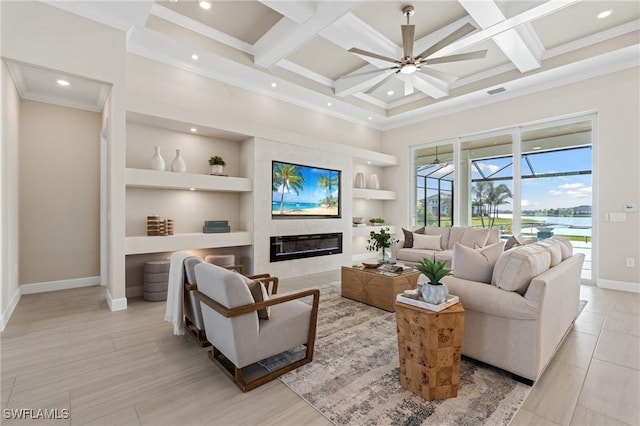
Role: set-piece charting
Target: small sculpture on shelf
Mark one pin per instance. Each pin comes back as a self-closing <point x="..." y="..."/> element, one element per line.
<point x="157" y="162"/>
<point x="178" y="165"/>
<point x="158" y="227"/>
<point x="217" y="165"/>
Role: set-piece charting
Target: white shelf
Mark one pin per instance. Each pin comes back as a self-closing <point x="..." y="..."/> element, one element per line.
<point x="196" y="240"/>
<point x="142" y="178"/>
<point x="373" y="194"/>
<point x="366" y="230"/>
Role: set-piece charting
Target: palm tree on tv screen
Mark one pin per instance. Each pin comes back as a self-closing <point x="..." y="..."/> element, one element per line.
<point x="327" y="182"/>
<point x="287" y="178"/>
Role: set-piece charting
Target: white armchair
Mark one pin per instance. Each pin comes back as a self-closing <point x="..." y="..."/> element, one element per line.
<point x="239" y="338"/>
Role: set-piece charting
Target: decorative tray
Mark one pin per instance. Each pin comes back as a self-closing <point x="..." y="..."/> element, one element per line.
<point x="451" y="300"/>
<point x="370" y="264"/>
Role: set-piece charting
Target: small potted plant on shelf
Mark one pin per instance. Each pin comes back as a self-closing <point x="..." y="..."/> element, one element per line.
<point x="376" y="221"/>
<point x="433" y="291"/>
<point x="381" y="240"/>
<point x="217" y="165"/>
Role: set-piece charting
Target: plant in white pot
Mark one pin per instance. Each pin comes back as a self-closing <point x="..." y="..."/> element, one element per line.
<point x="433" y="291"/>
<point x="217" y="165"/>
<point x="381" y="240"/>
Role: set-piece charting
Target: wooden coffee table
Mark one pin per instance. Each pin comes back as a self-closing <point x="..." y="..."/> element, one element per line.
<point x="376" y="288"/>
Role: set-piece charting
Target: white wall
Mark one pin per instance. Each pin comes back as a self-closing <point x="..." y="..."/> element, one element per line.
<point x="617" y="176"/>
<point x="10" y="116"/>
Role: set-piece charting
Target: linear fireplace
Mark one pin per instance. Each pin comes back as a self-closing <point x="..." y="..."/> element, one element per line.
<point x="288" y="247"/>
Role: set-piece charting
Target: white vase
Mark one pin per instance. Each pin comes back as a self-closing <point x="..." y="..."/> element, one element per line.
<point x="374" y="182"/>
<point x="435" y="294"/>
<point x="178" y="164"/>
<point x="157" y="162"/>
<point x="359" y="180"/>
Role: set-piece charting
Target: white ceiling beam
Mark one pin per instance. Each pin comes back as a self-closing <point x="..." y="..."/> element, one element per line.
<point x="428" y="85"/>
<point x="350" y="85"/>
<point x="523" y="48"/>
<point x="532" y="14"/>
<point x="298" y="11"/>
<point x="286" y="36"/>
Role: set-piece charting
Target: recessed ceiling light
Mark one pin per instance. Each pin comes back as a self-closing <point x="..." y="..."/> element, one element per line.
<point x="62" y="82"/>
<point x="194" y="57"/>
<point x="193" y="130"/>
<point x="390" y="92"/>
<point x="274" y="84"/>
<point x="370" y="118"/>
<point x="604" y="14"/>
<point x="192" y="189"/>
<point x="329" y="104"/>
<point x="368" y="162"/>
<point x="205" y="4"/>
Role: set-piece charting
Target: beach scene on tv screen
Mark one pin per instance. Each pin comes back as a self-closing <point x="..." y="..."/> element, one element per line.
<point x="304" y="191"/>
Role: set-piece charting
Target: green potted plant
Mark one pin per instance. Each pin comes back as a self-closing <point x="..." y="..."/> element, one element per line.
<point x="433" y="291"/>
<point x="380" y="240"/>
<point x="217" y="165"/>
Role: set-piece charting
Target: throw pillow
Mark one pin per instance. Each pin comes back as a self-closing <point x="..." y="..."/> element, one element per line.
<point x="408" y="238"/>
<point x="565" y="245"/>
<point x="259" y="294"/>
<point x="523" y="240"/>
<point x="476" y="265"/>
<point x="428" y="242"/>
<point x="455" y="236"/>
<point x="473" y="236"/>
<point x="515" y="268"/>
<point x="443" y="232"/>
<point x="511" y="243"/>
<point x="554" y="250"/>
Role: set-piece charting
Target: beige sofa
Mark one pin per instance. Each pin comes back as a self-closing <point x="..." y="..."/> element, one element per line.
<point x="438" y="243"/>
<point x="517" y="321"/>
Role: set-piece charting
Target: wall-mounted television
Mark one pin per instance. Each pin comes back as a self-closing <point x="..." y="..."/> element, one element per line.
<point x="300" y="191"/>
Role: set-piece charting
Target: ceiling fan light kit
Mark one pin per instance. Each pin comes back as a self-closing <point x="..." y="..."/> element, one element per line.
<point x="419" y="65"/>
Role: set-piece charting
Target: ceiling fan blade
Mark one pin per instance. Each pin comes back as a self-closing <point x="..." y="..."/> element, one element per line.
<point x="380" y="83"/>
<point x="366" y="73"/>
<point x="444" y="76"/>
<point x="457" y="34"/>
<point x="408" y="33"/>
<point x="455" y="58"/>
<point x="372" y="55"/>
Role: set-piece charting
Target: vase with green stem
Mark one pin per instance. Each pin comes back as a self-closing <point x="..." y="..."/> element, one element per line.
<point x="381" y="240"/>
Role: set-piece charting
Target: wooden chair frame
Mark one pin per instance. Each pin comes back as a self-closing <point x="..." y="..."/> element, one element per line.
<point x="235" y="373"/>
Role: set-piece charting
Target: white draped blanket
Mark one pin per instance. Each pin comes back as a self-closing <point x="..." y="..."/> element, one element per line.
<point x="175" y="291"/>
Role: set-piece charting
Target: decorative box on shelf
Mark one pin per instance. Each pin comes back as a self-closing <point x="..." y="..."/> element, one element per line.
<point x="451" y="300"/>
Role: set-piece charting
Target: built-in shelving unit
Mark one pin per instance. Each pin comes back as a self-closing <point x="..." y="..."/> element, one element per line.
<point x="141" y="178"/>
<point x="366" y="230"/>
<point x="373" y="194"/>
<point x="196" y="240"/>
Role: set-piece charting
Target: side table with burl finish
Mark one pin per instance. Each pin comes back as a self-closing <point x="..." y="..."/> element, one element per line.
<point x="430" y="348"/>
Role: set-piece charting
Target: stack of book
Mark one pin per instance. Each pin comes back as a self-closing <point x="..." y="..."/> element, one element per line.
<point x="216" y="226"/>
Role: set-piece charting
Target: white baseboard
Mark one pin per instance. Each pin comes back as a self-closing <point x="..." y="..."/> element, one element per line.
<point x="618" y="285"/>
<point x="4" y="318"/>
<point x="116" y="304"/>
<point x="59" y="285"/>
<point x="135" y="291"/>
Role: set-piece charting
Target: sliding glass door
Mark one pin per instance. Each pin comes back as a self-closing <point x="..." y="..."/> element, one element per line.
<point x="534" y="180"/>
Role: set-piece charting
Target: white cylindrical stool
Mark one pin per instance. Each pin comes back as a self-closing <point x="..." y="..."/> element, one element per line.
<point x="222" y="260"/>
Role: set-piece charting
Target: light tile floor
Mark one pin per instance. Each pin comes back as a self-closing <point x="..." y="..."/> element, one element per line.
<point x="594" y="379"/>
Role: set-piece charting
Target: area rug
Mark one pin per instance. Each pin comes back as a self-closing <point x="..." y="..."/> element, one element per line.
<point x="354" y="378"/>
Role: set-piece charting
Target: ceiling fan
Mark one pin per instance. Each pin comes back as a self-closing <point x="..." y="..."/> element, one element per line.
<point x="410" y="64"/>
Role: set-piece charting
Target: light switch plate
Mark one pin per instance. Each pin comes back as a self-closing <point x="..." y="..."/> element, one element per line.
<point x="617" y="217"/>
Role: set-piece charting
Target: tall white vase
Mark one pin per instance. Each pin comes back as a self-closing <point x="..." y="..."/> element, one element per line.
<point x="178" y="164"/>
<point x="374" y="182"/>
<point x="157" y="162"/>
<point x="359" y="183"/>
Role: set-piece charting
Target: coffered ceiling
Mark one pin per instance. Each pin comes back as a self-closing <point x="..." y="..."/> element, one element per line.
<point x="298" y="51"/>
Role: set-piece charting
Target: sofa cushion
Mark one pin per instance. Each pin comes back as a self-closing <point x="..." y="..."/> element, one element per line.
<point x="413" y="255"/>
<point x="443" y="232"/>
<point x="524" y="240"/>
<point x="566" y="247"/>
<point x="455" y="236"/>
<point x="476" y="264"/>
<point x="475" y="237"/>
<point x="515" y="268"/>
<point x="408" y="238"/>
<point x="555" y="250"/>
<point x="429" y="242"/>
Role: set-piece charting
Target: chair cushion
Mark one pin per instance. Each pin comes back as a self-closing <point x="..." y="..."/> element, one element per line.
<point x="189" y="269"/>
<point x="429" y="242"/>
<point x="222" y="285"/>
<point x="287" y="328"/>
<point x="476" y="264"/>
<point x="259" y="294"/>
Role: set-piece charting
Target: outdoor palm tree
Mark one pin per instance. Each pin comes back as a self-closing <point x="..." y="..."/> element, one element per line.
<point x="286" y="178"/>
<point x="497" y="196"/>
<point x="480" y="192"/>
